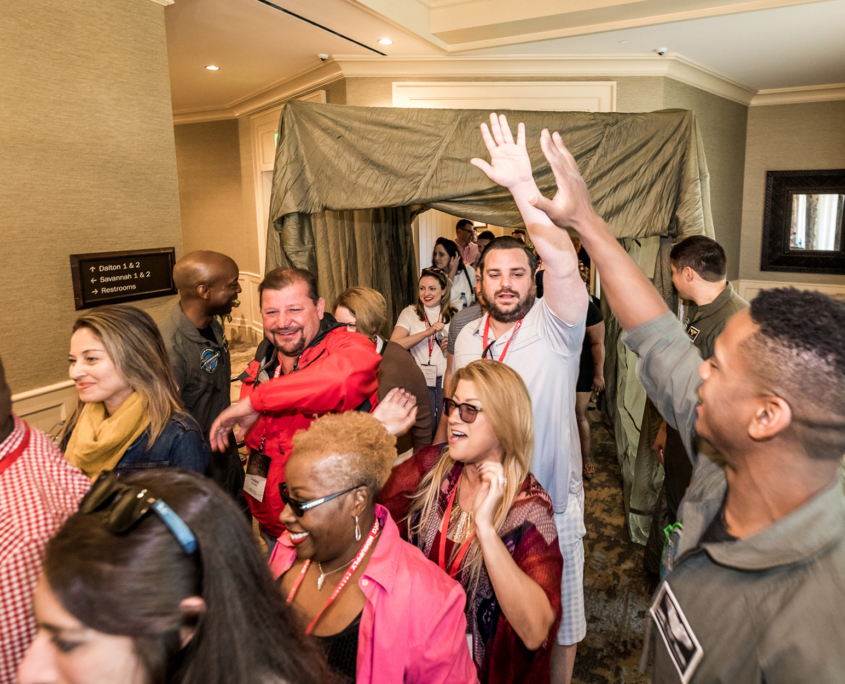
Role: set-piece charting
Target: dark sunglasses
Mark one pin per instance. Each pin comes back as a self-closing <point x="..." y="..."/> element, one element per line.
<point x="128" y="504"/>
<point x="299" y="507"/>
<point x="468" y="412"/>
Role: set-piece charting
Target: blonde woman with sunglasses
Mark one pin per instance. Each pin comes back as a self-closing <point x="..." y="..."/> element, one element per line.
<point x="474" y="509"/>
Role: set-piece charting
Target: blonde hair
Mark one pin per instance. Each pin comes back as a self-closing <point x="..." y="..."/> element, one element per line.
<point x="368" y="307"/>
<point x="357" y="449"/>
<point x="134" y="344"/>
<point x="507" y="407"/>
<point x="447" y="311"/>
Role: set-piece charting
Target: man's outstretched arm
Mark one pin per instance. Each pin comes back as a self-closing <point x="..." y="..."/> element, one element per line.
<point x="631" y="295"/>
<point x="510" y="167"/>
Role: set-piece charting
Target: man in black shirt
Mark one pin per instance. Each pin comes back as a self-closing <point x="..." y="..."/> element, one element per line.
<point x="208" y="287"/>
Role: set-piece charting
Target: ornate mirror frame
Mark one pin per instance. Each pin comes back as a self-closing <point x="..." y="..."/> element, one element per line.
<point x="777" y="220"/>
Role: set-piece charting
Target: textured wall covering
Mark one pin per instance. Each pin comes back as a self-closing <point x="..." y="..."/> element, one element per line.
<point x="723" y="125"/>
<point x="786" y="138"/>
<point x="88" y="161"/>
<point x="210" y="193"/>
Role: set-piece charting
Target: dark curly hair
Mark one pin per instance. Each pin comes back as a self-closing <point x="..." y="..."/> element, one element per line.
<point x="798" y="353"/>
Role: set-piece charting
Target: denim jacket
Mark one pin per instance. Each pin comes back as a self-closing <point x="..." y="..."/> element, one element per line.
<point x="180" y="445"/>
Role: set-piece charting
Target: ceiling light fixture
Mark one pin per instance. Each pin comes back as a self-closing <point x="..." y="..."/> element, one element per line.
<point x="385" y="41"/>
<point x="624" y="42"/>
<point x="211" y="67"/>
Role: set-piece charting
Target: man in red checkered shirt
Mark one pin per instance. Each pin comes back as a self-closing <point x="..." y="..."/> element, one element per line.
<point x="39" y="489"/>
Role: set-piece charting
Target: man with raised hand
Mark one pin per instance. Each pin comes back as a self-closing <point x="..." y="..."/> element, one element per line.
<point x="754" y="583"/>
<point x="541" y="340"/>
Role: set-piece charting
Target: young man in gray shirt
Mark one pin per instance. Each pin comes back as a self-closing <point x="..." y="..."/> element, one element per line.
<point x="754" y="583"/>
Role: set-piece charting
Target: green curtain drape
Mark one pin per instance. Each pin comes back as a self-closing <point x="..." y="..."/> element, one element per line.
<point x="348" y="182"/>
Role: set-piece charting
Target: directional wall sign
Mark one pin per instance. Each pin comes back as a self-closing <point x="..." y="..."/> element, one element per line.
<point x="114" y="277"/>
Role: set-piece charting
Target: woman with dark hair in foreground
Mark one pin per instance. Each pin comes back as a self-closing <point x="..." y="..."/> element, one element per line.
<point x="157" y="579"/>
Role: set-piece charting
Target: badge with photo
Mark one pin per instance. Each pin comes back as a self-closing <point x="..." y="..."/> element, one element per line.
<point x="676" y="632"/>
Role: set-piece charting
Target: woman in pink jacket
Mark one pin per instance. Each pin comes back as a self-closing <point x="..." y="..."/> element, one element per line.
<point x="382" y="612"/>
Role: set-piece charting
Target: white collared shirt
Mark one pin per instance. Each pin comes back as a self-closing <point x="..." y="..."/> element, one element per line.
<point x="546" y="354"/>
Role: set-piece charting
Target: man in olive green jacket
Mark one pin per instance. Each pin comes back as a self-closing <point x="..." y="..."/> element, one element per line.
<point x="755" y="585"/>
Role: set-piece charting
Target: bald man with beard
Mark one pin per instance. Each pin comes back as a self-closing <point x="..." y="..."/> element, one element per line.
<point x="208" y="287"/>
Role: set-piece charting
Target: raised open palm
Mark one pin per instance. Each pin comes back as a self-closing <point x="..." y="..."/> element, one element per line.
<point x="509" y="162"/>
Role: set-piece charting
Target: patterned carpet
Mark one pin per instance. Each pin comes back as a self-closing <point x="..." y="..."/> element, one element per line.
<point x="616" y="587"/>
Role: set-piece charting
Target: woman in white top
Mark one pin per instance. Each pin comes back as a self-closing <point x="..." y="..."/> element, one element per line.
<point x="423" y="329"/>
<point x="447" y="258"/>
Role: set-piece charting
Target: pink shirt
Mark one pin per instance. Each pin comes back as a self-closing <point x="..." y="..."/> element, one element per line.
<point x="413" y="627"/>
<point x="469" y="253"/>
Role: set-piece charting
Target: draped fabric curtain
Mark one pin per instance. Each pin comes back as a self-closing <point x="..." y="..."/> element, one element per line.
<point x="348" y="182"/>
<point x="370" y="247"/>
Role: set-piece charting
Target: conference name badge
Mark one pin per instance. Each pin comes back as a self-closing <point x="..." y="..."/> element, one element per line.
<point x="255" y="479"/>
<point x="682" y="644"/>
<point x="430" y="374"/>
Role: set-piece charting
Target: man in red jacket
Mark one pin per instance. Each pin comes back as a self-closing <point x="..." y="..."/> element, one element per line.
<point x="307" y="365"/>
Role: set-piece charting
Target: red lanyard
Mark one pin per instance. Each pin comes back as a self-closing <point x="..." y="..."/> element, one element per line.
<point x="10" y="458"/>
<point x="444" y="529"/>
<point x="351" y="571"/>
<point x="431" y="340"/>
<point x="505" y="350"/>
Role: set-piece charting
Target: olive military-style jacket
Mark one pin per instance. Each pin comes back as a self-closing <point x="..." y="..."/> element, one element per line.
<point x="703" y="324"/>
<point x="202" y="367"/>
<point x="766" y="608"/>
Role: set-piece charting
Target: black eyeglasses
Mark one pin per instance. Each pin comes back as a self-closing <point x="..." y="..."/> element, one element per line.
<point x="468" y="412"/>
<point x="128" y="504"/>
<point x="299" y="507"/>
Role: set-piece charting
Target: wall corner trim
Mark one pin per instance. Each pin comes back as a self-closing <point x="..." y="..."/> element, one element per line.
<point x="816" y="93"/>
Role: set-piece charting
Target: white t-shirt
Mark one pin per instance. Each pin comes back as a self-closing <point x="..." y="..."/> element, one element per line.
<point x="546" y="354"/>
<point x="409" y="320"/>
<point x="464" y="285"/>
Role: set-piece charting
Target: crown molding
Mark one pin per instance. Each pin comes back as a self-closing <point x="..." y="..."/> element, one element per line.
<point x="310" y="79"/>
<point x="817" y="93"/>
<point x="558" y="67"/>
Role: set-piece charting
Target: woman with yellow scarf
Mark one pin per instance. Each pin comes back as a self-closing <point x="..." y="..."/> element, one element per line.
<point x="130" y="416"/>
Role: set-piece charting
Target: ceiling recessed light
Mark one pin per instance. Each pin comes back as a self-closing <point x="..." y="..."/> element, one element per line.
<point x="211" y="67"/>
<point x="385" y="41"/>
<point x="624" y="42"/>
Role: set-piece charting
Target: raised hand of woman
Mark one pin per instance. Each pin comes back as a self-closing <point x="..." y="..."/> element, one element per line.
<point x="397" y="412"/>
<point x="435" y="328"/>
<point x="489" y="496"/>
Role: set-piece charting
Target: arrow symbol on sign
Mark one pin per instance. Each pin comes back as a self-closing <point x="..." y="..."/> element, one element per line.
<point x="94" y="291"/>
<point x="92" y="269"/>
<point x="93" y="280"/>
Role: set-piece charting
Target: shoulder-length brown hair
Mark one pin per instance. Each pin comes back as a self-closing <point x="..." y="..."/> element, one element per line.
<point x="368" y="307"/>
<point x="135" y="346"/>
<point x="507" y="406"/>
<point x="447" y="311"/>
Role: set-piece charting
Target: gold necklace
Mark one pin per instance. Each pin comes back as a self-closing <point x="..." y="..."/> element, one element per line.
<point x="461" y="521"/>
